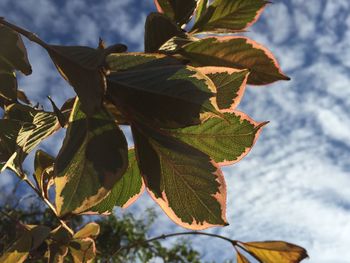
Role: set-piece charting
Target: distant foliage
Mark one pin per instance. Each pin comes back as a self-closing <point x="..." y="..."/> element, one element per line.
<point x="179" y="97"/>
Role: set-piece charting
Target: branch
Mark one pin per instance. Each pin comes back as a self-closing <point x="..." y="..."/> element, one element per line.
<point x="47" y="202"/>
<point x="136" y="244"/>
<point x="31" y="36"/>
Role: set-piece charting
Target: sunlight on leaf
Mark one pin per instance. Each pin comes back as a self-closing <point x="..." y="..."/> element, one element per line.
<point x="230" y="85"/>
<point x="89" y="230"/>
<point x="229" y="16"/>
<point x="92" y="159"/>
<point x="185" y="182"/>
<point x="236" y="52"/>
<point x="276" y="251"/>
<point x="226" y="140"/>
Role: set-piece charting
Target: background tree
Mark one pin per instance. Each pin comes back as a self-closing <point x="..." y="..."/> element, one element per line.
<point x="179" y="98"/>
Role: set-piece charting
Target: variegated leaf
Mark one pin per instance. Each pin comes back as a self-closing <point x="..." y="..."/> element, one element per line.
<point x="230" y="85"/>
<point x="184" y="181"/>
<point x="179" y="11"/>
<point x="226" y="140"/>
<point x="236" y="52"/>
<point x="137" y="61"/>
<point x="92" y="159"/>
<point x="125" y="191"/>
<point x="158" y="30"/>
<point x="229" y="16"/>
<point x="152" y="94"/>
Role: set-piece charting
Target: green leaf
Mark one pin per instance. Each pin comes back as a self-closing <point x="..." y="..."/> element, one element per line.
<point x="137" y="61"/>
<point x="126" y="190"/>
<point x="185" y="182"/>
<point x="82" y="68"/>
<point x="43" y="171"/>
<point x="91" y="229"/>
<point x="226" y="140"/>
<point x="179" y="11"/>
<point x="92" y="159"/>
<point x="169" y="97"/>
<point x="275" y="251"/>
<point x="235" y="52"/>
<point x="31" y="238"/>
<point x="13" y="52"/>
<point x="201" y="8"/>
<point x="229" y="16"/>
<point x="158" y="30"/>
<point x="230" y="85"/>
<point x="83" y="250"/>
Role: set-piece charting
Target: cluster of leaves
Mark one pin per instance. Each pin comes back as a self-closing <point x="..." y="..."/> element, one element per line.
<point x="115" y="232"/>
<point x="179" y="97"/>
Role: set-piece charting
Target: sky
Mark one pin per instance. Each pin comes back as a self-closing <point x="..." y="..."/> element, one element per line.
<point x="294" y="184"/>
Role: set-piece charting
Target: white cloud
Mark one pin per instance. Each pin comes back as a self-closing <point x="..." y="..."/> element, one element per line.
<point x="294" y="184"/>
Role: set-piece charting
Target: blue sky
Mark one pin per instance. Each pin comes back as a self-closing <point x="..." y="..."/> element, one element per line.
<point x="294" y="185"/>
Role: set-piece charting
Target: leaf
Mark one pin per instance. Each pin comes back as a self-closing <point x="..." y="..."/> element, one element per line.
<point x="137" y="61"/>
<point x="57" y="253"/>
<point x="83" y="250"/>
<point x="201" y="8"/>
<point x="230" y="85"/>
<point x="185" y="182"/>
<point x="31" y="238"/>
<point x="13" y="52"/>
<point x="158" y="30"/>
<point x="178" y="10"/>
<point x="226" y="140"/>
<point x="175" y="43"/>
<point x="23" y="130"/>
<point x="276" y="251"/>
<point x="92" y="159"/>
<point x="235" y="52"/>
<point x="126" y="190"/>
<point x="152" y="95"/>
<point x="60" y="116"/>
<point x="37" y="125"/>
<point x="241" y="258"/>
<point x="229" y="16"/>
<point x="8" y="135"/>
<point x="82" y="68"/>
<point x="22" y="96"/>
<point x="8" y="85"/>
<point x="43" y="171"/>
<point x="89" y="230"/>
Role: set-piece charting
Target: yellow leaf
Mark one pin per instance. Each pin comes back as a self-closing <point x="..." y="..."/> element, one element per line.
<point x="89" y="230"/>
<point x="276" y="251"/>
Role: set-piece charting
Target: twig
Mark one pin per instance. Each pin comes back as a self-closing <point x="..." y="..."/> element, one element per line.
<point x="128" y="247"/>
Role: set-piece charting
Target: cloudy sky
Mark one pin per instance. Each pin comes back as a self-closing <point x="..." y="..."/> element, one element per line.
<point x="294" y="185"/>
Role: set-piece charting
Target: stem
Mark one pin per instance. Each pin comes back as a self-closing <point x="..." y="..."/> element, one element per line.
<point x="231" y="241"/>
<point x="47" y="202"/>
<point x="31" y="36"/>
